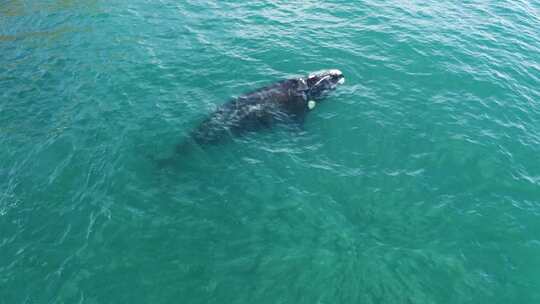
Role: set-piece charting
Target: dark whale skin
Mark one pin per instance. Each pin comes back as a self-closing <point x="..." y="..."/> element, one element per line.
<point x="287" y="101"/>
<point x="261" y="109"/>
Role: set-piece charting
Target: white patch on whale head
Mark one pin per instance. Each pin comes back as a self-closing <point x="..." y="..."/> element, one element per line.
<point x="331" y="72"/>
<point x="335" y="72"/>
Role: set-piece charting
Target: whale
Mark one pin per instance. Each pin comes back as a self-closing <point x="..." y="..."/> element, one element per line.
<point x="284" y="102"/>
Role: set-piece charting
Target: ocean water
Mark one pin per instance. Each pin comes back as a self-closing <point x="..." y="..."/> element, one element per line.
<point x="417" y="181"/>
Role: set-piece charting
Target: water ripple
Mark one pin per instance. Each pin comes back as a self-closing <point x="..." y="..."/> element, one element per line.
<point x="417" y="181"/>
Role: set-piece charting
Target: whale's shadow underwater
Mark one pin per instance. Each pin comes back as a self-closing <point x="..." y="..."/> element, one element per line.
<point x="285" y="102"/>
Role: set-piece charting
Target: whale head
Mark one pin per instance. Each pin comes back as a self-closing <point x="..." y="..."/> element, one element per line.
<point x="322" y="82"/>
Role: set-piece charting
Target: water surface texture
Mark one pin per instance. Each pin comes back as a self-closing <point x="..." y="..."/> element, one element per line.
<point x="418" y="181"/>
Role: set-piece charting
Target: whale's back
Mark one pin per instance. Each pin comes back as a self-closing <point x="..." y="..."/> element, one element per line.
<point x="254" y="111"/>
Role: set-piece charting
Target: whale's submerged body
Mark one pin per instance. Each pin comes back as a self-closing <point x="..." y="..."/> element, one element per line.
<point x="285" y="101"/>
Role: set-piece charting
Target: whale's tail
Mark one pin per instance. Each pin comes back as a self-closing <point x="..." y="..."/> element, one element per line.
<point x="181" y="151"/>
<point x="163" y="163"/>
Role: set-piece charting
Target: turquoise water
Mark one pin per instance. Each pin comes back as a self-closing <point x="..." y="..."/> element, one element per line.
<point x="418" y="181"/>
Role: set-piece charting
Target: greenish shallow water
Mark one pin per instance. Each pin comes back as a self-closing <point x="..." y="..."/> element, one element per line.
<point x="418" y="181"/>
